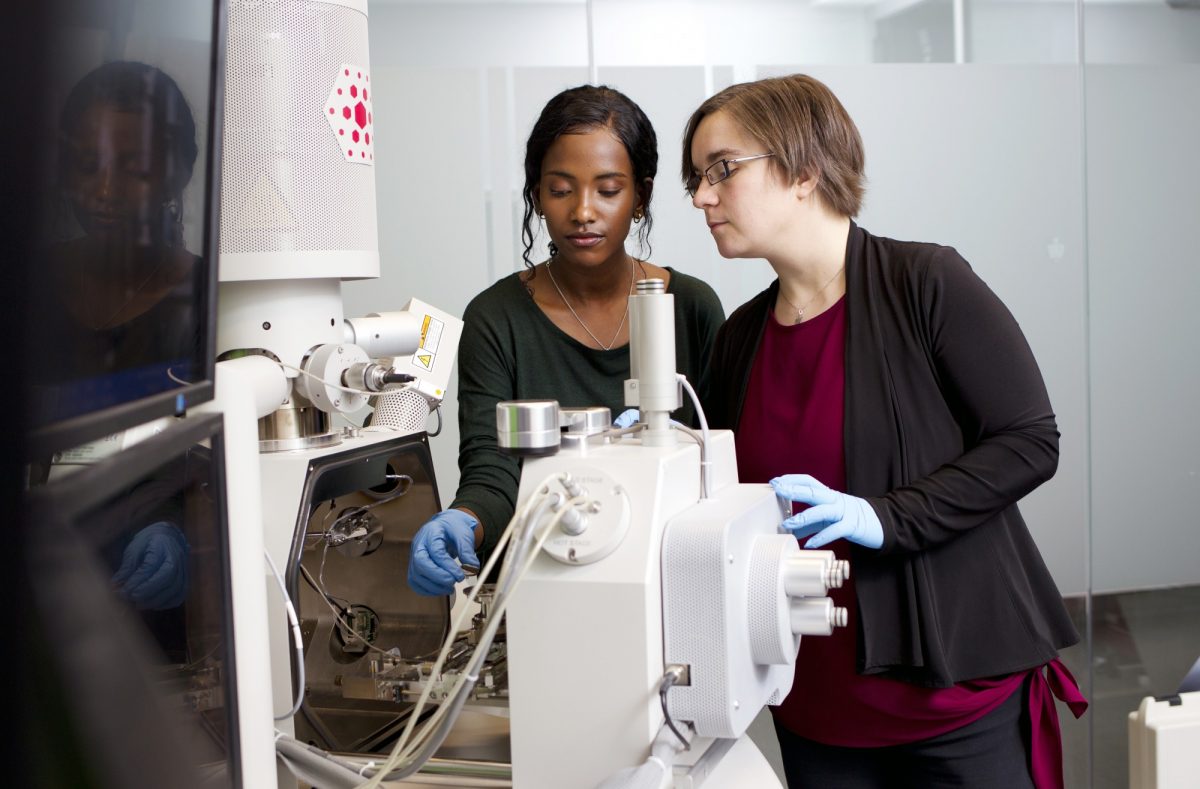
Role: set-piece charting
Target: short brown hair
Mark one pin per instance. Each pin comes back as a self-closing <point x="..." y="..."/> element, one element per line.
<point x="799" y="120"/>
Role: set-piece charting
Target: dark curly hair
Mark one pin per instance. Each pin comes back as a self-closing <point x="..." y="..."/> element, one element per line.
<point x="580" y="109"/>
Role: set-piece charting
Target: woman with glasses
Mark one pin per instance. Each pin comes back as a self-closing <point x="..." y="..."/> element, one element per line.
<point x="560" y="328"/>
<point x="916" y="419"/>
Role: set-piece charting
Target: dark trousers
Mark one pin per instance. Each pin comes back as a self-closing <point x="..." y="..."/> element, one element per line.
<point x="991" y="753"/>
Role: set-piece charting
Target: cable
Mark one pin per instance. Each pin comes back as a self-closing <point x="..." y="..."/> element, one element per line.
<point x="705" y="462"/>
<point x="344" y="602"/>
<point x="394" y="377"/>
<point x="299" y="642"/>
<point x="343" y="387"/>
<point x="328" y="599"/>
<point x="438" y="432"/>
<point x="396" y="754"/>
<point x="670" y="678"/>
<point x="449" y="710"/>
<point x="321" y="571"/>
<point x="403" y="747"/>
<point x="352" y="512"/>
<point x="695" y="402"/>
<point x="177" y="379"/>
<point x="518" y="518"/>
<point x="470" y="675"/>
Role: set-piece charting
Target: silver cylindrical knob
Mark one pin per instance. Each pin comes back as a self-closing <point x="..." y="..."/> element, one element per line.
<point x="813" y="573"/>
<point x="807" y="575"/>
<point x="586" y="421"/>
<point x="528" y="427"/>
<point x="816" y="616"/>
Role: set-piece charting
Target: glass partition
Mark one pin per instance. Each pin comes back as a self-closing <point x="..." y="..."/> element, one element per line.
<point x="1141" y="71"/>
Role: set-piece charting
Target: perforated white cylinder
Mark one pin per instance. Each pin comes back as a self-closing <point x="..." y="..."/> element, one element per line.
<point x="768" y="616"/>
<point x="298" y="175"/>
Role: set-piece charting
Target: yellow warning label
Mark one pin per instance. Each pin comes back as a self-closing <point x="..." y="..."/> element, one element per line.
<point x="431" y="333"/>
<point x="431" y="337"/>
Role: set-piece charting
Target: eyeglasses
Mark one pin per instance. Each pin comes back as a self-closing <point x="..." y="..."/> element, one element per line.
<point x="719" y="170"/>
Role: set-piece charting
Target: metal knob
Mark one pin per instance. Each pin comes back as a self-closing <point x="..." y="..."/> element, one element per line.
<point x="586" y="421"/>
<point x="528" y="428"/>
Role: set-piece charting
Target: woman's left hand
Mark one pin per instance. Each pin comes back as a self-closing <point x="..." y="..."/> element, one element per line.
<point x="837" y="515"/>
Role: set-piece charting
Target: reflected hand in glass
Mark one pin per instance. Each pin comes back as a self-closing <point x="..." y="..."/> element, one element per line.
<point x="154" y="568"/>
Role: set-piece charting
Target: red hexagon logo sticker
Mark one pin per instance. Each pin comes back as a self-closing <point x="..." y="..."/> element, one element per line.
<point x="351" y="117"/>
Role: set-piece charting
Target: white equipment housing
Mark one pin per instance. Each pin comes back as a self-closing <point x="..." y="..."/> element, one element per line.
<point x="1164" y="742"/>
<point x="668" y="568"/>
<point x="298" y="217"/>
<point x="658" y="577"/>
<point x="429" y="360"/>
<point x="298" y="209"/>
<point x="725" y="609"/>
<point x="295" y="205"/>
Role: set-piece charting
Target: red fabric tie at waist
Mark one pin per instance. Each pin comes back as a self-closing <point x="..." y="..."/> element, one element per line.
<point x="1045" y="747"/>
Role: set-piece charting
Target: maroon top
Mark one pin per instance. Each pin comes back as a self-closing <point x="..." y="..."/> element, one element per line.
<point x="792" y="422"/>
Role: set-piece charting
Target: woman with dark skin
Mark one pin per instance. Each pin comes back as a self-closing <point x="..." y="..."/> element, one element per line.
<point x="121" y="289"/>
<point x="117" y="301"/>
<point x="127" y="152"/>
<point x="560" y="329"/>
<point x="915" y="418"/>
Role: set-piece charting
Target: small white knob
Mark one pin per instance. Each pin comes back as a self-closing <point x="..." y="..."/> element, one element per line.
<point x="573" y="522"/>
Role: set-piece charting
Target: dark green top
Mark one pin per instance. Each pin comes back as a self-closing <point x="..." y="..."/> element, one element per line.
<point x="510" y="350"/>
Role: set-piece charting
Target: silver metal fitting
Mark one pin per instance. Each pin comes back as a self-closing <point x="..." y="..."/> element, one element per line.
<point x="366" y="376"/>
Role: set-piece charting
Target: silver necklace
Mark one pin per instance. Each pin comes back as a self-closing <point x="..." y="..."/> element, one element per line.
<point x="800" y="310"/>
<point x="563" y="296"/>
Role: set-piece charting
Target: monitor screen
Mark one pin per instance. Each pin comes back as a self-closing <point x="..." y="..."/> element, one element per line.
<point x="123" y="295"/>
<point x="131" y="581"/>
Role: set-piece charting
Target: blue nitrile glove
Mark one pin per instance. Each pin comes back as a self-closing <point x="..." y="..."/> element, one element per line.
<point x="832" y="515"/>
<point x="627" y="418"/>
<point x="446" y="536"/>
<point x="154" y="568"/>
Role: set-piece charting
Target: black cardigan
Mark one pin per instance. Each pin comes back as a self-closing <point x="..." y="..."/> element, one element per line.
<point x="947" y="426"/>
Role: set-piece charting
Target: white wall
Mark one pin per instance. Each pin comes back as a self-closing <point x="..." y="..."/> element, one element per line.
<point x="991" y="157"/>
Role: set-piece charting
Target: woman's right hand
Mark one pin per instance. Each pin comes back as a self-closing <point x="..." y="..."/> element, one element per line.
<point x="447" y="536"/>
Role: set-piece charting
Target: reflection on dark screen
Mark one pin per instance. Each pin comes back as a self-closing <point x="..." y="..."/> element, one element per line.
<point x="160" y="544"/>
<point x="121" y="300"/>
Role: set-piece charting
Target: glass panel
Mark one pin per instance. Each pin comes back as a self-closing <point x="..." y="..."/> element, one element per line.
<point x="1143" y="120"/>
<point x="121" y="302"/>
<point x="137" y="576"/>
